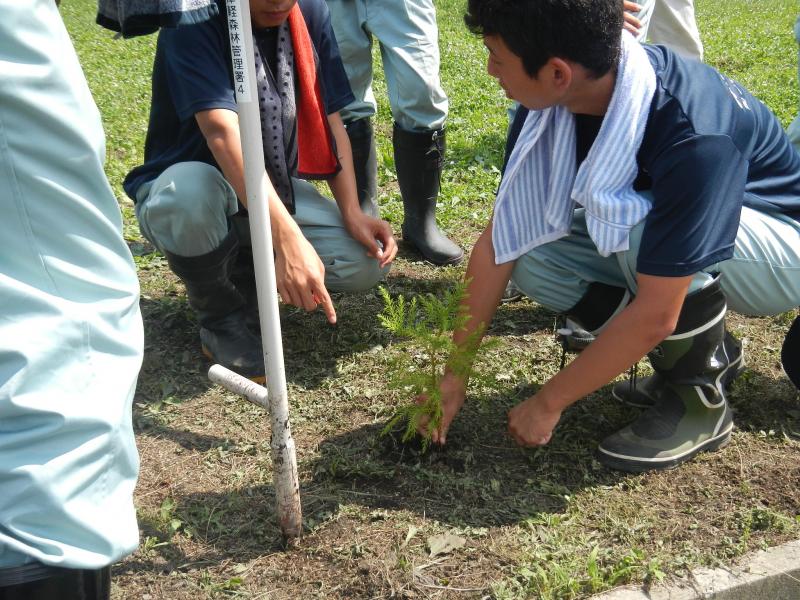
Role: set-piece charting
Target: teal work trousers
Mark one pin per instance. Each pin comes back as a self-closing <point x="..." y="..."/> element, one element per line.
<point x="762" y="277"/>
<point x="409" y="43"/>
<point x="187" y="211"/>
<point x="71" y="336"/>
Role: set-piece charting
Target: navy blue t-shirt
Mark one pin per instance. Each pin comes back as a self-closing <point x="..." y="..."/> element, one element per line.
<point x="709" y="148"/>
<point x="192" y="73"/>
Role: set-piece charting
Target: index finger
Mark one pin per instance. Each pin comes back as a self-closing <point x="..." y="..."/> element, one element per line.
<point x="324" y="300"/>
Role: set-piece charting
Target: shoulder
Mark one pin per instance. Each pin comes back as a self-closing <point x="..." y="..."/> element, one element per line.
<point x="316" y="15"/>
<point x="693" y="95"/>
<point x="208" y="36"/>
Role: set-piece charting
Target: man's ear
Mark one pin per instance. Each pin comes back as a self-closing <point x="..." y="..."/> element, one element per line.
<point x="560" y="72"/>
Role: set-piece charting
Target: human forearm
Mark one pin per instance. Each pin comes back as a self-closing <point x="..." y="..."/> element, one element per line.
<point x="633" y="333"/>
<point x="372" y="233"/>
<point x="485" y="284"/>
<point x="628" y="337"/>
<point x="343" y="185"/>
<point x="299" y="272"/>
<point x="220" y="127"/>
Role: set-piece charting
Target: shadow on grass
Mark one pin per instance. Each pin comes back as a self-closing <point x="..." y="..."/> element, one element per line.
<point x="763" y="403"/>
<point x="173" y="370"/>
<point x="481" y="479"/>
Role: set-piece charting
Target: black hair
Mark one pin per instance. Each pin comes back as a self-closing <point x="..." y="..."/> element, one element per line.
<point x="586" y="32"/>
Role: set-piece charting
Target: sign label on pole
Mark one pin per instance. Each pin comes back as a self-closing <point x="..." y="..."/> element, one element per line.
<point x="241" y="78"/>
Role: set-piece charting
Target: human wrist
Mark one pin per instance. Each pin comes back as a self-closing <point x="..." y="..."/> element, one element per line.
<point x="351" y="211"/>
<point x="549" y="398"/>
<point x="285" y="232"/>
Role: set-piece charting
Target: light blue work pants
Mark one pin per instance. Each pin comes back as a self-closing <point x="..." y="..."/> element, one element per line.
<point x="188" y="208"/>
<point x="671" y="23"/>
<point x="762" y="278"/>
<point x="71" y="337"/>
<point x="408" y="36"/>
<point x="794" y="127"/>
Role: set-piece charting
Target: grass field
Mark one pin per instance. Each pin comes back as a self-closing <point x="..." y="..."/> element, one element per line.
<point x="545" y="523"/>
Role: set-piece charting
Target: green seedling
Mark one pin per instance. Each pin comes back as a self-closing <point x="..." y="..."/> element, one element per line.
<point x="426" y="325"/>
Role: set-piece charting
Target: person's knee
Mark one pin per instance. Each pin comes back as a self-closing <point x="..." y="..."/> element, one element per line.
<point x="193" y="191"/>
<point x="349" y="275"/>
<point x="187" y="209"/>
<point x="542" y="291"/>
<point x="525" y="283"/>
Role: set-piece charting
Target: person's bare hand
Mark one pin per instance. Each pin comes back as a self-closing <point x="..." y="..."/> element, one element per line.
<point x="300" y="277"/>
<point x="453" y="394"/>
<point x="630" y="22"/>
<point x="531" y="422"/>
<point x="375" y="235"/>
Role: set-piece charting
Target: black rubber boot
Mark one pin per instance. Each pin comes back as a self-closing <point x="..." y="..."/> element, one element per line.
<point x="365" y="164"/>
<point x="220" y="309"/>
<point x="585" y="320"/>
<point x="243" y="276"/>
<point x="418" y="158"/>
<point x="38" y="582"/>
<point x="691" y="414"/>
<point x="790" y="353"/>
<point x="642" y="392"/>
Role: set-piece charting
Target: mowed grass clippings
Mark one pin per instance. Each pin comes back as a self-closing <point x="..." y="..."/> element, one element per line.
<point x="480" y="518"/>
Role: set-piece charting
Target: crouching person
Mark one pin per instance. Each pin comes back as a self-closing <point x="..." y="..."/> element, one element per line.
<point x="644" y="196"/>
<point x="189" y="193"/>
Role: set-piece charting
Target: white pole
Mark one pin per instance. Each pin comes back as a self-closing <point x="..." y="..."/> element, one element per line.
<point x="284" y="464"/>
<point x="257" y="394"/>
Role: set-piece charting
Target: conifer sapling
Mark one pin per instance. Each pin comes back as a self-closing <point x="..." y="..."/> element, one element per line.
<point x="427" y="324"/>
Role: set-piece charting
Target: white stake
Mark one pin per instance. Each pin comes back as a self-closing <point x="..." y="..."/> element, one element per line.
<point x="257" y="394"/>
<point x="284" y="463"/>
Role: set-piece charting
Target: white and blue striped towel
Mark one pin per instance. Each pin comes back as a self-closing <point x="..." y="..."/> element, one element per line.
<point x="539" y="191"/>
<point x="142" y="17"/>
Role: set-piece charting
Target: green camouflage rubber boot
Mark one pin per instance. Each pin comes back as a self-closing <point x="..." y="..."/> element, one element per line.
<point x="790" y="353"/>
<point x="691" y="413"/>
<point x="643" y="392"/>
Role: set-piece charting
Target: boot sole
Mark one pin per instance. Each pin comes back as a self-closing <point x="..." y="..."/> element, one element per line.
<point x="620" y="462"/>
<point x="260" y="379"/>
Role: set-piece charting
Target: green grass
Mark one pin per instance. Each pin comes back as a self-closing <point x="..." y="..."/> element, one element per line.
<point x="543" y="523"/>
<point x="118" y="72"/>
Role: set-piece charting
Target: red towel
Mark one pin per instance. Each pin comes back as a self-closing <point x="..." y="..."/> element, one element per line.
<point x="316" y="158"/>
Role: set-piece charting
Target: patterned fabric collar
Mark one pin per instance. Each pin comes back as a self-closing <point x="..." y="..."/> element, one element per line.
<point x="276" y="99"/>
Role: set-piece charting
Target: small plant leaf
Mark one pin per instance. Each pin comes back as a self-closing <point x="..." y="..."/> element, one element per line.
<point x="412" y="531"/>
<point x="444" y="543"/>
